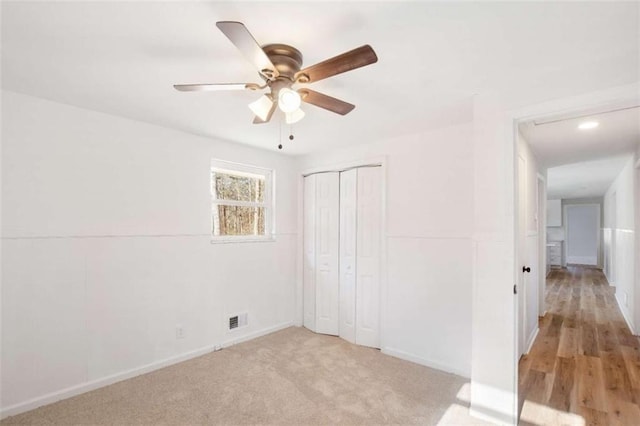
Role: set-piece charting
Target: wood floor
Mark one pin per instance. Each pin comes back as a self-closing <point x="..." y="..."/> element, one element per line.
<point x="584" y="367"/>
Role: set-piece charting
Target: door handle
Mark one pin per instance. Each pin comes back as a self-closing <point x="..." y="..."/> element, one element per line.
<point x="526" y="269"/>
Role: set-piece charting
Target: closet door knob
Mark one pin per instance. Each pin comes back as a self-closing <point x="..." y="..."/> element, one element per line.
<point x="526" y="269"/>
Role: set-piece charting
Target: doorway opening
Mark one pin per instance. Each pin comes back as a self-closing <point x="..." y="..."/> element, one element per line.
<point x="579" y="233"/>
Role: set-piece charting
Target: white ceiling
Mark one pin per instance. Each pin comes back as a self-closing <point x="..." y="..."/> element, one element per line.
<point x="583" y="163"/>
<point x="558" y="141"/>
<point x="123" y="57"/>
<point x="584" y="180"/>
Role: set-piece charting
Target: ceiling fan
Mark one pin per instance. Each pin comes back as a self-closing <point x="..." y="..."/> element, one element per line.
<point x="279" y="65"/>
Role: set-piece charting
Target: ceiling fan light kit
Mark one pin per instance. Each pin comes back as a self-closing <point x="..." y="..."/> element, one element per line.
<point x="262" y="107"/>
<point x="279" y="65"/>
<point x="288" y="100"/>
<point x="294" y="116"/>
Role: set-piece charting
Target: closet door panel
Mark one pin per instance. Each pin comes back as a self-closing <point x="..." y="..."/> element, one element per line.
<point x="348" y="227"/>
<point x="327" y="251"/>
<point x="309" y="261"/>
<point x="369" y="222"/>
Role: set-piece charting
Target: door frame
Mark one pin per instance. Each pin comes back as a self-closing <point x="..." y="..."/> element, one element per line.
<point x="636" y="203"/>
<point x="380" y="161"/>
<point x="521" y="238"/>
<point x="617" y="97"/>
<point x="541" y="198"/>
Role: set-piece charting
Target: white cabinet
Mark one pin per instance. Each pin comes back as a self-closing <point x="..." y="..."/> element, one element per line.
<point x="554" y="254"/>
<point x="554" y="212"/>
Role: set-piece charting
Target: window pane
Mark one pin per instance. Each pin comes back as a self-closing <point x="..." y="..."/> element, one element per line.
<point x="235" y="220"/>
<point x="240" y="187"/>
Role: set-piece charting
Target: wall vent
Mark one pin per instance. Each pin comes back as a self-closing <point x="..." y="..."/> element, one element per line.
<point x="237" y="321"/>
<point x="233" y="322"/>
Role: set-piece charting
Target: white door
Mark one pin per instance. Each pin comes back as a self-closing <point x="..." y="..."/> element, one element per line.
<point x="369" y="222"/>
<point x="309" y="244"/>
<point x="522" y="253"/>
<point x="326" y="248"/>
<point x="348" y="227"/>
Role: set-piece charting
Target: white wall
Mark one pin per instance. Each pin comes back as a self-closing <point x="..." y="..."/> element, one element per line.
<point x="583" y="234"/>
<point x="619" y="240"/>
<point x="106" y="249"/>
<point x="429" y="211"/>
<point x="493" y="364"/>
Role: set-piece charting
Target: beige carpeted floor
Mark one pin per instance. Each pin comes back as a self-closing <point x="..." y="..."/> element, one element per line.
<point x="290" y="377"/>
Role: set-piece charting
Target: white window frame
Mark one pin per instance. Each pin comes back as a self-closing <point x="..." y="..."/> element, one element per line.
<point x="268" y="204"/>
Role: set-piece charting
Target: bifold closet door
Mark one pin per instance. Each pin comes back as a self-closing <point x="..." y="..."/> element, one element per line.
<point x="360" y="223"/>
<point x="368" y="238"/>
<point x="309" y="248"/>
<point x="348" y="228"/>
<point x="321" y="243"/>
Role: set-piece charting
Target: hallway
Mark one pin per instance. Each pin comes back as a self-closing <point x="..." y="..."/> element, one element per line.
<point x="584" y="367"/>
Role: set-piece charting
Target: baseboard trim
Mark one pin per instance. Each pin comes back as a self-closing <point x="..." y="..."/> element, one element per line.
<point x="423" y="361"/>
<point x="69" y="392"/>
<point x="624" y="315"/>
<point x="532" y="339"/>
<point x="583" y="260"/>
<point x="496" y="405"/>
<point x="256" y="334"/>
<point x="489" y="416"/>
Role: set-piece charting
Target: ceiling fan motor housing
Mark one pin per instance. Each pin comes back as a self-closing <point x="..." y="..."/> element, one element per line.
<point x="287" y="59"/>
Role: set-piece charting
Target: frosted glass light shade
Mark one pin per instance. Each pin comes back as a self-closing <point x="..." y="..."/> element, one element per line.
<point x="294" y="117"/>
<point x="261" y="107"/>
<point x="288" y="100"/>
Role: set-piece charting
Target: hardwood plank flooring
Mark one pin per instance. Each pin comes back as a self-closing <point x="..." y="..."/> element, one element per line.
<point x="584" y="367"/>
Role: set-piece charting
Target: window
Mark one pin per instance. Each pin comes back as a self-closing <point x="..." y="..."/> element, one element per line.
<point x="241" y="202"/>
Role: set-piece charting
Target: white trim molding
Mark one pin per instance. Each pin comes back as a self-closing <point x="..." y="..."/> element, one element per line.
<point x="81" y="388"/>
<point x="532" y="339"/>
<point x="624" y="315"/>
<point x="423" y="361"/>
<point x="583" y="260"/>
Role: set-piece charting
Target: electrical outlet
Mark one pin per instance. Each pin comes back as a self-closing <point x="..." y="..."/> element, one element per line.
<point x="179" y="332"/>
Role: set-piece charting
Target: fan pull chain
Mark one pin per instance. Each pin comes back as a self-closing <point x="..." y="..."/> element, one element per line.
<point x="291" y="137"/>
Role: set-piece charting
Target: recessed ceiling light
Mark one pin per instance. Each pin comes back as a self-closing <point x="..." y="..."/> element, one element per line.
<point x="588" y="125"/>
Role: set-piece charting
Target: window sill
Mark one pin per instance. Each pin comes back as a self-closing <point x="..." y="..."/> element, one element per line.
<point x="251" y="239"/>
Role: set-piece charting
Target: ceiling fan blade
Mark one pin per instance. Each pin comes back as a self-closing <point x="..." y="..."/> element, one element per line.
<point x="324" y="101"/>
<point x="238" y="34"/>
<point x="356" y="58"/>
<point x="213" y="87"/>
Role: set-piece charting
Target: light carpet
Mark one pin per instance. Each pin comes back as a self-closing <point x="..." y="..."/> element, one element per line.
<point x="292" y="376"/>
